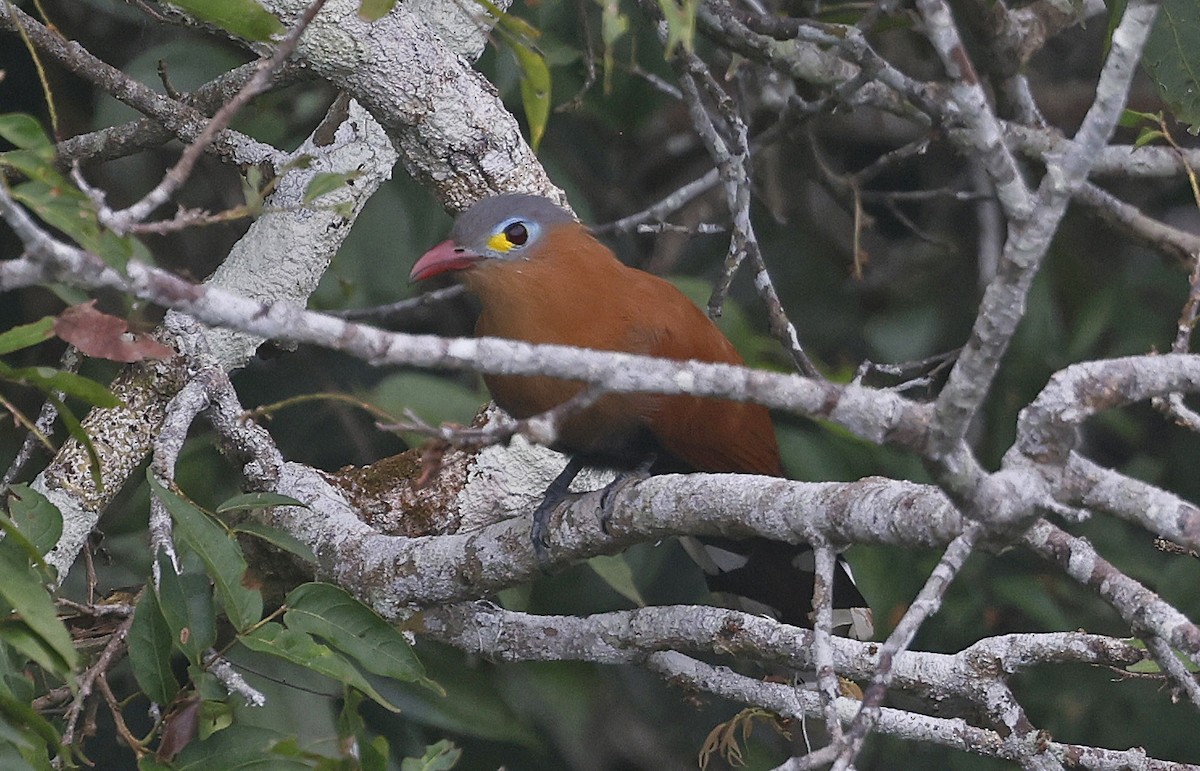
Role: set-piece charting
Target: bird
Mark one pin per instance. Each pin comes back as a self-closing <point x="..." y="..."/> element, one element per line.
<point x="541" y="277"/>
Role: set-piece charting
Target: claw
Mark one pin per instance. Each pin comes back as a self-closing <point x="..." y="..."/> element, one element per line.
<point x="540" y="533"/>
<point x="555" y="493"/>
<point x="609" y="494"/>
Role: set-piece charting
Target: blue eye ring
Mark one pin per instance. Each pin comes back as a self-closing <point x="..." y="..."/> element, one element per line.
<point x="512" y="234"/>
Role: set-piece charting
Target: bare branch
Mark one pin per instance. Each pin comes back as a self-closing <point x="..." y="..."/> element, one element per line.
<point x="391" y="572"/>
<point x="121" y="221"/>
<point x="387" y="313"/>
<point x="827" y="682"/>
<point x="183" y="121"/>
<point x="1047" y="428"/>
<point x="627" y="636"/>
<point x="114" y="649"/>
<point x="612" y="371"/>
<point x="1147" y="230"/>
<point x="976" y="112"/>
<point x="1004" y="301"/>
<point x="928" y="601"/>
<point x="127" y="139"/>
<point x="1086" y="484"/>
<point x="690" y="673"/>
<point x="1184" y="679"/>
<point x="1141" y="608"/>
<point x="665" y="207"/>
<point x="729" y="145"/>
<point x="282" y="256"/>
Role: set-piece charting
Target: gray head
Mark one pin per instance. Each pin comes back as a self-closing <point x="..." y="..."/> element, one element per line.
<point x="504" y="225"/>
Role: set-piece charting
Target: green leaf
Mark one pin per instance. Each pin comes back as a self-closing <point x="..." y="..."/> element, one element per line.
<point x="474" y="705"/>
<point x="350" y="723"/>
<point x="20" y="749"/>
<point x="327" y="182"/>
<point x="1151" y="667"/>
<point x="27" y="335"/>
<point x="510" y="24"/>
<point x="48" y="379"/>
<point x="279" y="539"/>
<point x="24" y="132"/>
<point x="214" y="716"/>
<point x="373" y="754"/>
<point x="14" y="680"/>
<point x="1170" y="58"/>
<point x="244" y="18"/>
<point x="35" y="516"/>
<point x="681" y="24"/>
<point x="13" y="756"/>
<point x="535" y="73"/>
<point x="36" y="165"/>
<point x="535" y="90"/>
<point x="61" y="205"/>
<point x="185" y="601"/>
<point x="438" y="757"/>
<point x="150" y="650"/>
<point x="329" y="612"/>
<point x="220" y="553"/>
<point x="615" y="572"/>
<point x="57" y="202"/>
<point x="1147" y="135"/>
<point x="300" y="648"/>
<point x="373" y="10"/>
<point x="238" y="748"/>
<point x="19" y="548"/>
<point x="1134" y="119"/>
<point x="31" y="603"/>
<point x="29" y="645"/>
<point x="22" y="716"/>
<point x="172" y="604"/>
<point x="263" y="500"/>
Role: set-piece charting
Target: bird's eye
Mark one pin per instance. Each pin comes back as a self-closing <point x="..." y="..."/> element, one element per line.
<point x="516" y="233"/>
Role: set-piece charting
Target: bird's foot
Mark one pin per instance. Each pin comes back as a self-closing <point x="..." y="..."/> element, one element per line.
<point x="558" y="490"/>
<point x="540" y="533"/>
<point x="608" y="497"/>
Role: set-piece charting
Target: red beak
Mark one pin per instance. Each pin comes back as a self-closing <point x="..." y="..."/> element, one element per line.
<point x="442" y="258"/>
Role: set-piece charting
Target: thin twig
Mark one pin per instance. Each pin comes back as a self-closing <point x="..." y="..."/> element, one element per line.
<point x="121" y="221"/>
<point x="666" y="206"/>
<point x="114" y="708"/>
<point x="1144" y="229"/>
<point x="112" y="651"/>
<point x="827" y="680"/>
<point x="1032" y="220"/>
<point x="43" y="426"/>
<point x="380" y="314"/>
<point x="1180" y="675"/>
<point x="728" y="144"/>
<point x="927" y="602"/>
<point x="180" y="119"/>
<point x="541" y="428"/>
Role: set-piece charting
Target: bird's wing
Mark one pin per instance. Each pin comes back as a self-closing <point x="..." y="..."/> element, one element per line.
<point x="704" y="434"/>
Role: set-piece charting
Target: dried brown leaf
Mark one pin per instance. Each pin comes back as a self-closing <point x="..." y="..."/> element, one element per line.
<point x="102" y="336"/>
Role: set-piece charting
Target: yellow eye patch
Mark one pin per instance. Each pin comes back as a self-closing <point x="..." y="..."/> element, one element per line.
<point x="499" y="243"/>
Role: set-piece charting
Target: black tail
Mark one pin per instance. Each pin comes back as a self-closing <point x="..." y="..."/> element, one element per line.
<point x="761" y="576"/>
